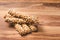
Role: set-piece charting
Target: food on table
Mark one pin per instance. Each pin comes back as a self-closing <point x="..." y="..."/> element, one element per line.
<point x="23" y="24"/>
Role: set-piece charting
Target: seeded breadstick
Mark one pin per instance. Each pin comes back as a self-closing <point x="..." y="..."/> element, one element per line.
<point x="27" y="18"/>
<point x="14" y="20"/>
<point x="33" y="28"/>
<point x="20" y="29"/>
<point x="18" y="20"/>
<point x="26" y="28"/>
<point x="12" y="13"/>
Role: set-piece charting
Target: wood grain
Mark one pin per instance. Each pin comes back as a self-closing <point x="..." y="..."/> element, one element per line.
<point x="48" y="1"/>
<point x="48" y="16"/>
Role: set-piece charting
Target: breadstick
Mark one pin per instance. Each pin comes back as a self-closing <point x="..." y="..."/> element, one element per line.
<point x="14" y="20"/>
<point x="20" y="29"/>
<point x="33" y="28"/>
<point x="26" y="28"/>
<point x="27" y="18"/>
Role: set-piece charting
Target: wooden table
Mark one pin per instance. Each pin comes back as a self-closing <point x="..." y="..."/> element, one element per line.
<point x="48" y="16"/>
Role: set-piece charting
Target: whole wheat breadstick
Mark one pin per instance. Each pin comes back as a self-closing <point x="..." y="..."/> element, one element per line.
<point x="10" y="18"/>
<point x="27" y="18"/>
<point x="20" y="29"/>
<point x="33" y="28"/>
<point x="14" y="20"/>
<point x="26" y="28"/>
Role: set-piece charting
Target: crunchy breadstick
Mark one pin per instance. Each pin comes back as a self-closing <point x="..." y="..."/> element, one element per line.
<point x="26" y="28"/>
<point x="14" y="20"/>
<point x="33" y="28"/>
<point x="10" y="18"/>
<point x="12" y="13"/>
<point x="20" y="29"/>
<point x="28" y="19"/>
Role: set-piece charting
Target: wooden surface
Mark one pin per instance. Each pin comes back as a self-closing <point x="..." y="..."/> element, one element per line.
<point x="48" y="16"/>
<point x="48" y="1"/>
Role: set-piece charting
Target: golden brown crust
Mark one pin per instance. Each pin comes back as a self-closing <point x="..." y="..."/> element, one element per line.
<point x="26" y="28"/>
<point x="20" y="29"/>
<point x="33" y="28"/>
